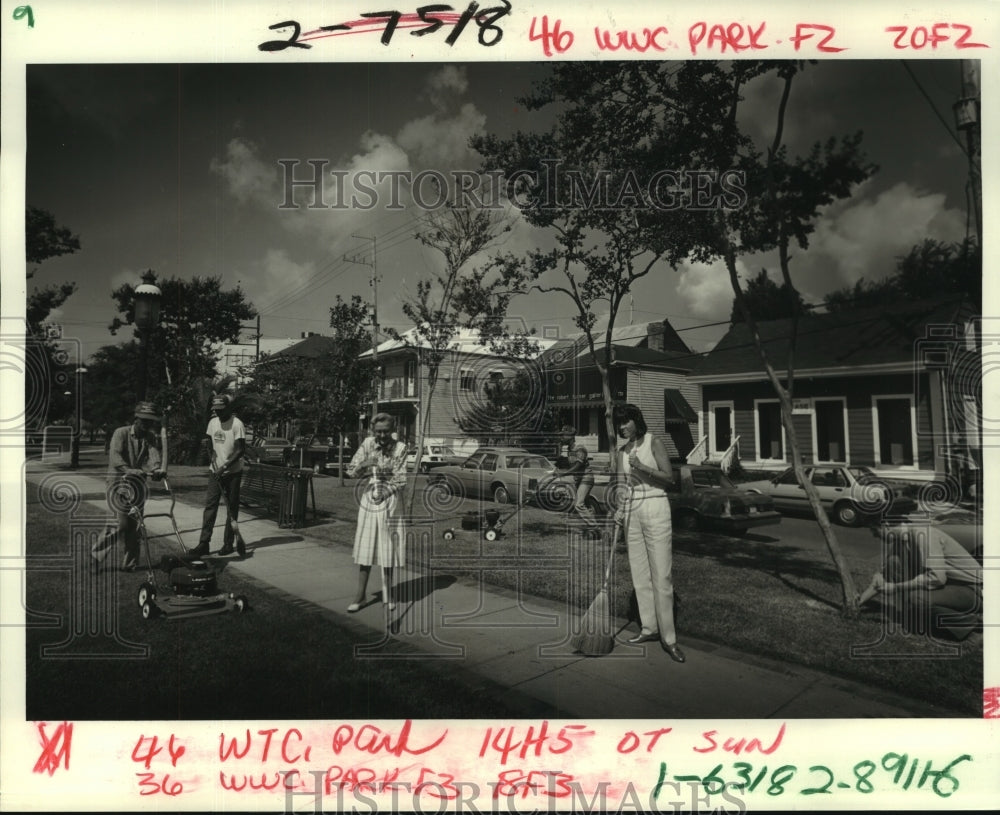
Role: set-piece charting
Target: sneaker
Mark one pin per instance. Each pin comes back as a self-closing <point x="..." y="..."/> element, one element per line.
<point x="130" y="562"/>
<point x="227" y="549"/>
<point x="241" y="547"/>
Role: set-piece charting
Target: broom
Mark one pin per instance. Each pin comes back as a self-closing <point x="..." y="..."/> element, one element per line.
<point x="595" y="637"/>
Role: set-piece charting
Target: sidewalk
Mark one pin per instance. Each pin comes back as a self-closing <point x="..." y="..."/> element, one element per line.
<point x="522" y="644"/>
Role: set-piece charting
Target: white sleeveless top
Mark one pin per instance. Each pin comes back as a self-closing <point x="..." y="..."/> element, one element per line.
<point x="644" y="452"/>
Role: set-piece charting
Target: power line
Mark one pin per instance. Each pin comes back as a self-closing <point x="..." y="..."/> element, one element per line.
<point x="933" y="107"/>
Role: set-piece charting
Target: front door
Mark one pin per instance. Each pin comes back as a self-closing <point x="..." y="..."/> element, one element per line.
<point x="720" y="431"/>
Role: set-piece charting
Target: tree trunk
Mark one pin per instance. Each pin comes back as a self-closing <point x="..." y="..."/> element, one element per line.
<point x="850" y="607"/>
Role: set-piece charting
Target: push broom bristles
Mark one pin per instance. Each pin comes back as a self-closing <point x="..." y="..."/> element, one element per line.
<point x="595" y="637"/>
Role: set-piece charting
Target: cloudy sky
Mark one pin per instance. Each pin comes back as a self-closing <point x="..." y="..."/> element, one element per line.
<point x="175" y="168"/>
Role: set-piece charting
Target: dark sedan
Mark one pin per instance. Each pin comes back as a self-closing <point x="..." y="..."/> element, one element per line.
<point x="268" y="450"/>
<point x="703" y="498"/>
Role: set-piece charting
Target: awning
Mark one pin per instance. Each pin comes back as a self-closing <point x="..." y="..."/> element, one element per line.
<point x="676" y="407"/>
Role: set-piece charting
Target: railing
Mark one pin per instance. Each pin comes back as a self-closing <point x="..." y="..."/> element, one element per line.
<point x="730" y="455"/>
<point x="693" y="457"/>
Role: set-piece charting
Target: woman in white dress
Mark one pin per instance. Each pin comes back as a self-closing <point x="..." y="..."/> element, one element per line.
<point x="644" y="463"/>
<point x="378" y="539"/>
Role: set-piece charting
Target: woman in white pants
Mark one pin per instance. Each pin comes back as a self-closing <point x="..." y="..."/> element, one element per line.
<point x="644" y="462"/>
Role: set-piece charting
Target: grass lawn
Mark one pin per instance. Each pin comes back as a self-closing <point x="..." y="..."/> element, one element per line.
<point x="748" y="594"/>
<point x="751" y="595"/>
<point x="278" y="661"/>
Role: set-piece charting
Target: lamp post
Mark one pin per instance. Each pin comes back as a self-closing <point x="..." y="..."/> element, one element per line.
<point x="74" y="456"/>
<point x="147" y="314"/>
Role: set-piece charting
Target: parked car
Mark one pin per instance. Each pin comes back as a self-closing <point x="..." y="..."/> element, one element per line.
<point x="849" y="494"/>
<point x="317" y="453"/>
<point x="499" y="473"/>
<point x="435" y="455"/>
<point x="269" y="450"/>
<point x="703" y="498"/>
<point x="964" y="525"/>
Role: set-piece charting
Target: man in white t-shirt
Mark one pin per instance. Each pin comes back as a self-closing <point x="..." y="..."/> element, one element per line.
<point x="227" y="440"/>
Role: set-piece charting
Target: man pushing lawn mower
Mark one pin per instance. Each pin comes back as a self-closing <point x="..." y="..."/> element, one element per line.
<point x="227" y="439"/>
<point x="132" y="455"/>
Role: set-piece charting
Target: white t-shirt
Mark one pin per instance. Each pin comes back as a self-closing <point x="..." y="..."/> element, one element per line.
<point x="224" y="436"/>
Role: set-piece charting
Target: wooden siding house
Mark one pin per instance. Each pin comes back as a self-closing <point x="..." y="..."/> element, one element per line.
<point x="896" y="388"/>
<point x="649" y="368"/>
<point x="459" y="394"/>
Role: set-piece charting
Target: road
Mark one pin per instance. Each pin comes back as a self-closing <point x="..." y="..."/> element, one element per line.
<point x="796" y="532"/>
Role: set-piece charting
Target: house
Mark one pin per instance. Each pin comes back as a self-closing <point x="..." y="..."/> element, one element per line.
<point x="234" y="358"/>
<point x="649" y="368"/>
<point x="896" y="388"/>
<point x="460" y="401"/>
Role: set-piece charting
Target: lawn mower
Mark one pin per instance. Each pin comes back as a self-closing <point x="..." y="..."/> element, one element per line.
<point x="192" y="584"/>
<point x="489" y="522"/>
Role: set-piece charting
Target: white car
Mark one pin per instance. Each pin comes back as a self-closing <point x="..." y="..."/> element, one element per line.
<point x="848" y="493"/>
<point x="435" y="455"/>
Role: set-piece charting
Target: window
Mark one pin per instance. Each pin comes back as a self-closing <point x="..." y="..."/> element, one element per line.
<point x="490" y="462"/>
<point x="894" y="442"/>
<point x="467" y="380"/>
<point x="788" y="477"/>
<point x="831" y="430"/>
<point x="410" y="377"/>
<point x="770" y="434"/>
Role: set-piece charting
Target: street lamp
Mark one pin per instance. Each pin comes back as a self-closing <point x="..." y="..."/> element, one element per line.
<point x="147" y="314"/>
<point x="74" y="456"/>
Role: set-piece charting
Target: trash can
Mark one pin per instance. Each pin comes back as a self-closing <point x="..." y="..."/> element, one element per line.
<point x="294" y="498"/>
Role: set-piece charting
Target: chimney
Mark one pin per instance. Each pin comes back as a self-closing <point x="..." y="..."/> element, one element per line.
<point x="654" y="336"/>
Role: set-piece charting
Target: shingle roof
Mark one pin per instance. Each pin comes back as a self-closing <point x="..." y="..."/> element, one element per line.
<point x="870" y="336"/>
<point x="311" y="347"/>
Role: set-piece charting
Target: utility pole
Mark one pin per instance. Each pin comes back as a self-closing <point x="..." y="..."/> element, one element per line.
<point x="374" y="312"/>
<point x="967" y="110"/>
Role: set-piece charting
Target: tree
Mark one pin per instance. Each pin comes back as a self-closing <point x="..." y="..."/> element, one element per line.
<point x="511" y="414"/>
<point x="608" y="221"/>
<point x="324" y="393"/>
<point x="785" y="196"/>
<point x="111" y="384"/>
<point x="931" y="268"/>
<point x="44" y="239"/>
<point x="767" y="300"/>
<point x="196" y="316"/>
<point x="634" y="119"/>
<point x="453" y="298"/>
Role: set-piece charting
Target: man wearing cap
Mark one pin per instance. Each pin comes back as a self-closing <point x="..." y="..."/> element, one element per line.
<point x="227" y="438"/>
<point x="132" y="455"/>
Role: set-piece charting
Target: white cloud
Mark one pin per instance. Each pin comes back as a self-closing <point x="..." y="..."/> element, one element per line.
<point x="249" y="178"/>
<point x="446" y="85"/>
<point x="863" y="237"/>
<point x="281" y="278"/>
<point x="705" y="288"/>
<point x="442" y="142"/>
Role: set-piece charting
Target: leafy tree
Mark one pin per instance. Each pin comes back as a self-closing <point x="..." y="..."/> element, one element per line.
<point x="503" y="419"/>
<point x="111" y="385"/>
<point x="641" y="117"/>
<point x="767" y="300"/>
<point x="453" y="298"/>
<point x="610" y="225"/>
<point x="44" y="239"/>
<point x="196" y="316"/>
<point x="931" y="268"/>
<point x="320" y="394"/>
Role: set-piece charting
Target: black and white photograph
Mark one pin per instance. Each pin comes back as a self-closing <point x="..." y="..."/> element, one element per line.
<point x="392" y="395"/>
